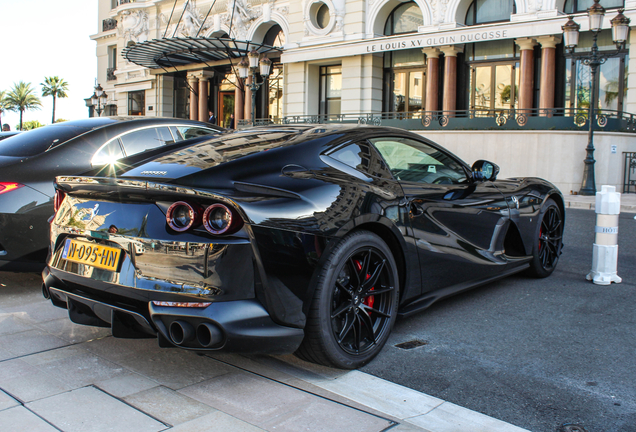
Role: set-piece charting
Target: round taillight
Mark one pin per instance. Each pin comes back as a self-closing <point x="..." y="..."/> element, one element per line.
<point x="217" y="219"/>
<point x="181" y="216"/>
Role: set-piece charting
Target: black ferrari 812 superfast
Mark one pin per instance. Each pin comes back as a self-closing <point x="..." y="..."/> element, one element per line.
<point x="310" y="239"/>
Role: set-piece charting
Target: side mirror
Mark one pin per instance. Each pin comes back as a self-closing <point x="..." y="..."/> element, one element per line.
<point x="485" y="171"/>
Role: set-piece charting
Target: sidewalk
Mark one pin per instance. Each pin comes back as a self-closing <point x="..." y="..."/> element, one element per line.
<point x="628" y="202"/>
<point x="59" y="376"/>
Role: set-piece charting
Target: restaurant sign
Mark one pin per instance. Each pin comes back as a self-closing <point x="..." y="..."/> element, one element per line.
<point x="437" y="40"/>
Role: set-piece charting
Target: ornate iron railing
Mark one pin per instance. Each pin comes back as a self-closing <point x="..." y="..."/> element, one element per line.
<point x="110" y="74"/>
<point x="478" y="119"/>
<point x="629" y="185"/>
<point x="109" y="24"/>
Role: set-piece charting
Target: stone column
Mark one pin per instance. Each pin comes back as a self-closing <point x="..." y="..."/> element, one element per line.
<point x="450" y="78"/>
<point x="238" y="106"/>
<point x="548" y="55"/>
<point x="203" y="99"/>
<point x="527" y="72"/>
<point x="193" y="83"/>
<point x="247" y="114"/>
<point x="432" y="78"/>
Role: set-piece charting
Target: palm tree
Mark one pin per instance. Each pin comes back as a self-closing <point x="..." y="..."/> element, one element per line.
<point x="3" y="105"/>
<point x="21" y="98"/>
<point x="56" y="87"/>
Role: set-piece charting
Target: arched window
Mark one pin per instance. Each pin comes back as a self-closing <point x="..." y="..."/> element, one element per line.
<point x="405" y="18"/>
<point x="574" y="6"/>
<point x="274" y="37"/>
<point x="487" y="11"/>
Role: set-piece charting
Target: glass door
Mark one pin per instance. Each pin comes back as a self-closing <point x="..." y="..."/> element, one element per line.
<point x="405" y="93"/>
<point x="494" y="87"/>
<point x="226" y="109"/>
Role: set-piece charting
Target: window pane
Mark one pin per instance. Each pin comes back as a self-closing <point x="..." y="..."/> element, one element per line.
<point x="192" y="132"/>
<point x="416" y="88"/>
<point x="334" y="85"/>
<point x="404" y="58"/>
<point x="482" y="87"/>
<point x="411" y="160"/>
<point x="165" y="135"/>
<point x="493" y="10"/>
<point x="494" y="50"/>
<point x="399" y="91"/>
<point x="138" y="141"/>
<point x="608" y="84"/>
<point x="136" y="102"/>
<point x="582" y="86"/>
<point x="108" y="154"/>
<point x="175" y="133"/>
<point x="333" y="106"/>
<point x="407" y="18"/>
<point x="503" y="86"/>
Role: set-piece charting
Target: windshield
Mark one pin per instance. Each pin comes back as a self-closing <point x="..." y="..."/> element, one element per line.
<point x="39" y="140"/>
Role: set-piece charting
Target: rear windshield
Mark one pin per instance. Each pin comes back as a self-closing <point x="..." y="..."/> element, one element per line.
<point x="38" y="140"/>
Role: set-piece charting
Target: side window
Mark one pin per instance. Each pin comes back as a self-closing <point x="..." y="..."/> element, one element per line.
<point x="194" y="131"/>
<point x="109" y="153"/>
<point x="362" y="158"/>
<point x="414" y="161"/>
<point x="144" y="139"/>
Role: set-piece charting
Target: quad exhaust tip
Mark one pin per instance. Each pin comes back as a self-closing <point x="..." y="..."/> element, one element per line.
<point x="207" y="335"/>
<point x="181" y="332"/>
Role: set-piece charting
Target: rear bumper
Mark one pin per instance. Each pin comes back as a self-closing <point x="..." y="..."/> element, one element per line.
<point x="233" y="326"/>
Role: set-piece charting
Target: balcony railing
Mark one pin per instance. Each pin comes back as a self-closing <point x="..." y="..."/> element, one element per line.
<point x="479" y="119"/>
<point x="110" y="74"/>
<point x="109" y="24"/>
<point x="629" y="185"/>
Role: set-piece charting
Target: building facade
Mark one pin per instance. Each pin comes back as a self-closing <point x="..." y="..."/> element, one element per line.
<point x="449" y="69"/>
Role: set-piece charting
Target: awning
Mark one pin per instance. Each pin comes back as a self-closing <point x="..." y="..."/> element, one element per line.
<point x="173" y="52"/>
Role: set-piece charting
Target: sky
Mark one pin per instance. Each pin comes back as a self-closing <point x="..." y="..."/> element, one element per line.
<point x="43" y="38"/>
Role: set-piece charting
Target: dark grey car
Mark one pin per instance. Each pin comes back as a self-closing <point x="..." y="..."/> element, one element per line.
<point x="30" y="161"/>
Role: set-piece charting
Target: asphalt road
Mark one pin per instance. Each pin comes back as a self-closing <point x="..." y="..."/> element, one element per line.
<point x="537" y="353"/>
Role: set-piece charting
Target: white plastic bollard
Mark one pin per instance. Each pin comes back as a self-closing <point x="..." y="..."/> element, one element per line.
<point x="605" y="252"/>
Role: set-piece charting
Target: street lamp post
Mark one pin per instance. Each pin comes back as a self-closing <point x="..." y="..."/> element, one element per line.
<point x="251" y="67"/>
<point x="620" y="28"/>
<point x="98" y="100"/>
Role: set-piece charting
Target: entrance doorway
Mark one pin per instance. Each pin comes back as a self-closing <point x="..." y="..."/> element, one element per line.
<point x="494" y="86"/>
<point x="226" y="108"/>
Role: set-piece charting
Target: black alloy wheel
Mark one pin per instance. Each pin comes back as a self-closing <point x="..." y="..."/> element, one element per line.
<point x="548" y="240"/>
<point x="355" y="304"/>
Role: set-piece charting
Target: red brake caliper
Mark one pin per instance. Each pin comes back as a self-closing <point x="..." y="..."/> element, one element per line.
<point x="369" y="300"/>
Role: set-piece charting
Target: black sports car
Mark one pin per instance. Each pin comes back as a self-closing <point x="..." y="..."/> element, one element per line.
<point x="8" y="134"/>
<point x="30" y="161"/>
<point x="306" y="239"/>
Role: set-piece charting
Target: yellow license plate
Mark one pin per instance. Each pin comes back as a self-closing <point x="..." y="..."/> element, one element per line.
<point x="93" y="254"/>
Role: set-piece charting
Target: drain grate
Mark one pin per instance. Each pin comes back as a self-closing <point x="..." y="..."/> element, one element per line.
<point x="411" y="344"/>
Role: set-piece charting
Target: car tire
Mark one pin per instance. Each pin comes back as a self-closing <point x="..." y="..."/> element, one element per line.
<point x="354" y="305"/>
<point x="548" y="240"/>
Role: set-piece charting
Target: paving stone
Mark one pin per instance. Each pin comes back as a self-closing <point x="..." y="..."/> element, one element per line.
<point x="75" y="366"/>
<point x="20" y="419"/>
<point x="67" y="330"/>
<point x="89" y="409"/>
<point x="275" y="406"/>
<point x="7" y="401"/>
<point x="27" y="382"/>
<point x="216" y="422"/>
<point x="168" y="406"/>
<point x="173" y="368"/>
<point x="38" y="312"/>
<point x="10" y="323"/>
<point x="125" y="385"/>
<point x="28" y="342"/>
<point x="449" y="417"/>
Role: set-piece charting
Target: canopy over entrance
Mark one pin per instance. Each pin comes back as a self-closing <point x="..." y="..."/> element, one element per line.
<point x="173" y="52"/>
